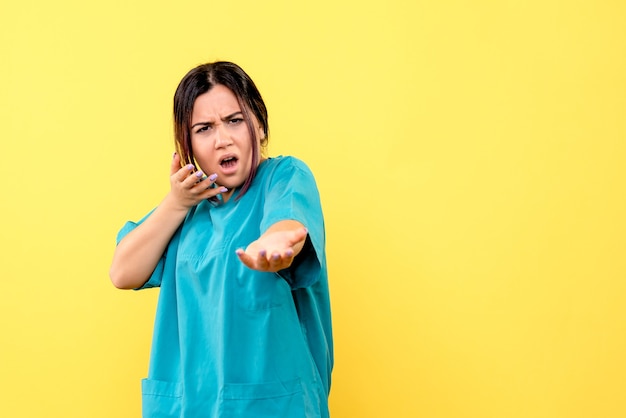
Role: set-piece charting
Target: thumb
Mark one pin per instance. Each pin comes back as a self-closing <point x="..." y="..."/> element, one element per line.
<point x="299" y="235"/>
<point x="175" y="166"/>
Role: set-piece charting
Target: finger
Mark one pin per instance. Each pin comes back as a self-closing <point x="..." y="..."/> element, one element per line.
<point x="192" y="179"/>
<point x="198" y="181"/>
<point x="279" y="262"/>
<point x="298" y="236"/>
<point x="245" y="258"/>
<point x="202" y="192"/>
<point x="175" y="166"/>
<point x="205" y="187"/>
<point x="205" y="182"/>
<point x="274" y="261"/>
<point x="262" y="263"/>
<point x="287" y="258"/>
<point x="183" y="173"/>
<point x="256" y="263"/>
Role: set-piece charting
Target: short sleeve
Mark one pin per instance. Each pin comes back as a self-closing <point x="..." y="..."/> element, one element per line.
<point x="157" y="274"/>
<point x="293" y="195"/>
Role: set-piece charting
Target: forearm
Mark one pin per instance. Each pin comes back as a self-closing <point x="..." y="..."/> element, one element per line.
<point x="138" y="253"/>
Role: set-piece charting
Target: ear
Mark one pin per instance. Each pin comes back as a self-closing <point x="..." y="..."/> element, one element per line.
<point x="261" y="135"/>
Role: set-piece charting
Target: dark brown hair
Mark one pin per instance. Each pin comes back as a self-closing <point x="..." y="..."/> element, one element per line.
<point x="202" y="79"/>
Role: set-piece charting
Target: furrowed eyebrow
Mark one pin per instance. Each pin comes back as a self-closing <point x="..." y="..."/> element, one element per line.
<point x="229" y="117"/>
<point x="232" y="115"/>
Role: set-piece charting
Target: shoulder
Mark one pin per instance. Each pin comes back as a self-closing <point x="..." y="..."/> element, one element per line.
<point x="286" y="164"/>
<point x="286" y="172"/>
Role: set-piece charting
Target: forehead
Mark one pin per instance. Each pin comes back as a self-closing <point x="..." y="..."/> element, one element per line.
<point x="218" y="102"/>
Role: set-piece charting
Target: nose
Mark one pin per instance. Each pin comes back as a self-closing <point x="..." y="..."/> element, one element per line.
<point x="222" y="139"/>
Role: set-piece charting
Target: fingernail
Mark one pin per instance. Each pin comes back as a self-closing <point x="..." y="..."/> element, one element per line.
<point x="189" y="166"/>
<point x="212" y="177"/>
<point x="223" y="189"/>
<point x="199" y="174"/>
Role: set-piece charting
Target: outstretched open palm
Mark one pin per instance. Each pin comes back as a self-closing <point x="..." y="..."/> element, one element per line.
<point x="273" y="251"/>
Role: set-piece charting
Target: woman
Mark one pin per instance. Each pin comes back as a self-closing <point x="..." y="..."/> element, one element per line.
<point x="243" y="326"/>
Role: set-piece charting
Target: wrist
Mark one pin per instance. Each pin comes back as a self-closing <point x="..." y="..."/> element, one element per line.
<point x="171" y="204"/>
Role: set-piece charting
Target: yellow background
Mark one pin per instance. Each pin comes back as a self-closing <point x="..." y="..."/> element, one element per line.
<point x="471" y="157"/>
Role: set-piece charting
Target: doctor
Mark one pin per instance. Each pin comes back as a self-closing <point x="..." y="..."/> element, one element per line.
<point x="237" y="247"/>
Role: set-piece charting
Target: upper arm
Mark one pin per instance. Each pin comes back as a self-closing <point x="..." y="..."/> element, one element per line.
<point x="156" y="276"/>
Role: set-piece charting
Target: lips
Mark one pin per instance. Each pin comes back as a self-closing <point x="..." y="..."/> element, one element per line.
<point x="229" y="163"/>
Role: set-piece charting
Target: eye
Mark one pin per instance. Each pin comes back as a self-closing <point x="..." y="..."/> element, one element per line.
<point x="235" y="121"/>
<point x="203" y="129"/>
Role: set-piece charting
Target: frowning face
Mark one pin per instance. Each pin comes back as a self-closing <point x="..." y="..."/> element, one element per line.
<point x="220" y="139"/>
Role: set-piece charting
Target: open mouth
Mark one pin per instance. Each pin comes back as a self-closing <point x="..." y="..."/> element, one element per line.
<point x="228" y="162"/>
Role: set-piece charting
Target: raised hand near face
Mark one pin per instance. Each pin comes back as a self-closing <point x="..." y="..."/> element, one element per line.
<point x="189" y="187"/>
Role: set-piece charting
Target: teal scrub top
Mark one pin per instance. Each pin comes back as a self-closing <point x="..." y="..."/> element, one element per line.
<point x="234" y="342"/>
